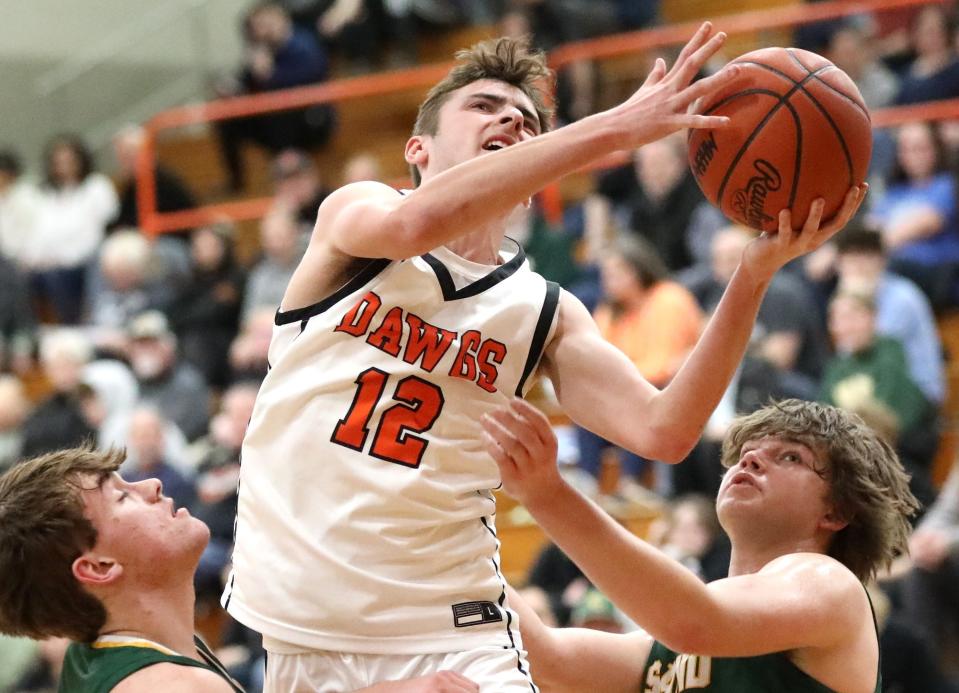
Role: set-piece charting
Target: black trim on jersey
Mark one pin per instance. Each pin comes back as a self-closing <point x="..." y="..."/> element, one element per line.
<point x="207" y="655"/>
<point x="362" y="277"/>
<point x="451" y="293"/>
<point x="509" y="617"/>
<point x="543" y="324"/>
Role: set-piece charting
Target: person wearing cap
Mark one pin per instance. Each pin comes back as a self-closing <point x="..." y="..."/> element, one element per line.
<point x="168" y="383"/>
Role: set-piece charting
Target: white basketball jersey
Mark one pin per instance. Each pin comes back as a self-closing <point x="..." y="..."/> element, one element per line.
<point x="365" y="519"/>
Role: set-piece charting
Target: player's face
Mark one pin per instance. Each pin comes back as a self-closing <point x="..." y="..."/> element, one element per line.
<point x="482" y="117"/>
<point x="141" y="529"/>
<point x="777" y="485"/>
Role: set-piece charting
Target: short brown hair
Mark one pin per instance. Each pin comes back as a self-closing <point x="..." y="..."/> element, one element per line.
<point x="868" y="486"/>
<point x="504" y="59"/>
<point x="43" y="529"/>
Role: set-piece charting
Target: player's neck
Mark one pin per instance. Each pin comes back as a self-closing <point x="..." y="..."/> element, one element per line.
<point x="752" y="557"/>
<point x="161" y="616"/>
<point x="480" y="246"/>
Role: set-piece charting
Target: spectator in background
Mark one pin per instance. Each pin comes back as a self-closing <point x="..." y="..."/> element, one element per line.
<point x="76" y="204"/>
<point x="902" y="310"/>
<point x="19" y="200"/>
<point x="278" y="56"/>
<point x="655" y="322"/>
<point x="249" y="352"/>
<point x="788" y="334"/>
<point x="654" y="197"/>
<point x="851" y="50"/>
<point x="360" y="167"/>
<point x="930" y="598"/>
<point x="692" y="535"/>
<point x="172" y="193"/>
<point x="14" y="409"/>
<point x="218" y="473"/>
<point x="869" y="370"/>
<point x="297" y="186"/>
<point x="126" y="266"/>
<point x="554" y="585"/>
<point x="58" y="421"/>
<point x="18" y="329"/>
<point x="147" y="456"/>
<point x="934" y="73"/>
<point x="281" y="243"/>
<point x="205" y="313"/>
<point x="172" y="386"/>
<point x="917" y="215"/>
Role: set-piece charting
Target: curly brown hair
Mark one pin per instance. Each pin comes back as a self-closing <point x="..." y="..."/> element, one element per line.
<point x="43" y="529"/>
<point x="868" y="486"/>
<point x="504" y="59"/>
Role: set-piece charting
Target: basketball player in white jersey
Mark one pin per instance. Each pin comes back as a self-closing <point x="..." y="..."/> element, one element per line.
<point x="365" y="543"/>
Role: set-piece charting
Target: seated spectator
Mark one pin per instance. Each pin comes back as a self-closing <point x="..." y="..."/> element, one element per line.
<point x="930" y="601"/>
<point x="147" y="456"/>
<point x="14" y="409"/>
<point x="788" y="334"/>
<point x="58" y="421"/>
<point x="902" y="310"/>
<point x="76" y="204"/>
<point x="362" y="166"/>
<point x="278" y="56"/>
<point x="171" y="385"/>
<point x="851" y="50"/>
<point x="934" y="73"/>
<point x="869" y="369"/>
<point x="280" y="242"/>
<point x="218" y="473"/>
<point x="297" y="186"/>
<point x="596" y="612"/>
<point x="128" y="287"/>
<point x="205" y="312"/>
<point x="651" y="319"/>
<point x="19" y="200"/>
<point x="18" y="328"/>
<point x="172" y="193"/>
<point x="654" y="198"/>
<point x="555" y="584"/>
<point x="917" y="214"/>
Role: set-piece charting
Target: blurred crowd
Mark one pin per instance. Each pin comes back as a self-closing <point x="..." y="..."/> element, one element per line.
<point x="159" y="343"/>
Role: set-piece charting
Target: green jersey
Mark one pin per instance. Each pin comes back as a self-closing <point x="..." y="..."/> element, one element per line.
<point x="101" y="665"/>
<point x="671" y="672"/>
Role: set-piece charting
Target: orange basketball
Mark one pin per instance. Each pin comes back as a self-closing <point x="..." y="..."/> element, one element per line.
<point x="799" y="130"/>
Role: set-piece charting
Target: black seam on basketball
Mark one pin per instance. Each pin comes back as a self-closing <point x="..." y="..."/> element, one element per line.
<point x="747" y="92"/>
<point x="865" y="111"/>
<point x="792" y="80"/>
<point x="796" y="168"/>
<point x="745" y="146"/>
<point x="826" y="114"/>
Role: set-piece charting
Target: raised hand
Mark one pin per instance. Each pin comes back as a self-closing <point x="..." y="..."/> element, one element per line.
<point x="765" y="255"/>
<point x="523" y="445"/>
<point x="662" y="104"/>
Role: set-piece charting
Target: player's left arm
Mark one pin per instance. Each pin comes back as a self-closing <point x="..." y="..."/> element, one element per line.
<point x="594" y="380"/>
<point x="797" y="601"/>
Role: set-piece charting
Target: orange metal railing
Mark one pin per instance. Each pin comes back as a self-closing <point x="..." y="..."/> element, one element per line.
<point x="152" y="221"/>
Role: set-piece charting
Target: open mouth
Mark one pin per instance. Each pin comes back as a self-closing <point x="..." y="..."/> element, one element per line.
<point x="496" y="144"/>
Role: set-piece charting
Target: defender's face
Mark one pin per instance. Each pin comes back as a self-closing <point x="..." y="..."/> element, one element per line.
<point x="777" y="483"/>
<point x="141" y="529"/>
<point x="482" y="117"/>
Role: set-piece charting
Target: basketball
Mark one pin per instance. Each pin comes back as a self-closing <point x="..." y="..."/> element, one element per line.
<point x="799" y="130"/>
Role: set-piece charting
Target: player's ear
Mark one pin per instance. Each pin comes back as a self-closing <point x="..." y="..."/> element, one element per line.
<point x="833" y="521"/>
<point x="416" y="153"/>
<point x="93" y="570"/>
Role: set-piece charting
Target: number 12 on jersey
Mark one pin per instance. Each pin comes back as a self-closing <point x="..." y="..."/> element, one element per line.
<point x="418" y="405"/>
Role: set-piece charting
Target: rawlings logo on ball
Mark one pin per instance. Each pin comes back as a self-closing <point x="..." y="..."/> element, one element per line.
<point x="751" y="200"/>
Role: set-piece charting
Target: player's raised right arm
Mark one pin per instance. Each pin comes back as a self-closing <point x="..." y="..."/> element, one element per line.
<point x="369" y="220"/>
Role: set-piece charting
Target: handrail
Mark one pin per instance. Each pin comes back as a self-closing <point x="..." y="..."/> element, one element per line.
<point x="152" y="222"/>
<point x="157" y="17"/>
